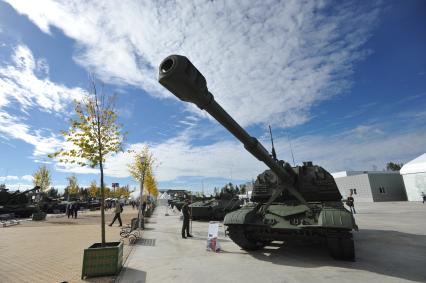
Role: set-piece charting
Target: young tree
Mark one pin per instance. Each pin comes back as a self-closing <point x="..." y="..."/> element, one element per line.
<point x="143" y="162"/>
<point x="123" y="192"/>
<point x="41" y="178"/>
<point x="151" y="183"/>
<point x="72" y="185"/>
<point x="390" y="166"/>
<point x="93" y="189"/>
<point x="142" y="170"/>
<point x="94" y="135"/>
<point x="242" y="189"/>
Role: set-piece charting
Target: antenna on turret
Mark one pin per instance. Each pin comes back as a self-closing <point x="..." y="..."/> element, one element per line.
<point x="291" y="149"/>
<point x="274" y="154"/>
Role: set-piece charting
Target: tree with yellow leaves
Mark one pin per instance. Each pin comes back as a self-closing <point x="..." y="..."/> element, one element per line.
<point x="41" y="178"/>
<point x="150" y="184"/>
<point x="93" y="189"/>
<point x="142" y="170"/>
<point x="94" y="135"/>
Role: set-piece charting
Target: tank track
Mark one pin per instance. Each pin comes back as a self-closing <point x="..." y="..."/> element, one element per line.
<point x="341" y="246"/>
<point x="238" y="235"/>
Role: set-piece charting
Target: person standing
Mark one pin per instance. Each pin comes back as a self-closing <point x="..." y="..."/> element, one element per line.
<point x="118" y="210"/>
<point x="351" y="203"/>
<point x="75" y="209"/>
<point x="143" y="208"/>
<point x="69" y="210"/>
<point x="423" y="197"/>
<point x="186" y="216"/>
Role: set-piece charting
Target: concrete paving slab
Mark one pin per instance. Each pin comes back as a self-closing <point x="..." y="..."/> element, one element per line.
<point x="390" y="247"/>
<point x="51" y="251"/>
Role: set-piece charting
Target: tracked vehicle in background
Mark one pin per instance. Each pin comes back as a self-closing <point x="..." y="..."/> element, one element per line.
<point x="299" y="202"/>
<point x="215" y="208"/>
<point x="17" y="203"/>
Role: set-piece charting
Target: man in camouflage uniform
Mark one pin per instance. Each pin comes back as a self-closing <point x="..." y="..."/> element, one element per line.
<point x="186" y="216"/>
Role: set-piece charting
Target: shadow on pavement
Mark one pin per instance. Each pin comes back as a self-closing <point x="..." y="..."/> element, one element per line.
<point x="198" y="238"/>
<point x="105" y="279"/>
<point x="132" y="275"/>
<point x="390" y="253"/>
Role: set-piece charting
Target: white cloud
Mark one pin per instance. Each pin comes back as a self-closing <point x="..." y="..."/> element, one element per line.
<point x="19" y="85"/>
<point x="348" y="150"/>
<point x="19" y="186"/>
<point x="351" y="151"/>
<point x="281" y="57"/>
<point x="8" y="178"/>
<point x="27" y="178"/>
<point x="13" y="127"/>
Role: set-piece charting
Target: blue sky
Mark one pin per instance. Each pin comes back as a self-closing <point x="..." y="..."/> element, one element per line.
<point x="344" y="84"/>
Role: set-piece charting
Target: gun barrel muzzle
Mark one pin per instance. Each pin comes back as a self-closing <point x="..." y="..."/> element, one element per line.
<point x="180" y="77"/>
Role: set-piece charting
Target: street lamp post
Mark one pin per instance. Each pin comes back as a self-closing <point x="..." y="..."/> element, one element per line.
<point x="143" y="162"/>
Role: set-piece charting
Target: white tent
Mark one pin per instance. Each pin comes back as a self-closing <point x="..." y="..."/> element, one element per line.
<point x="134" y="195"/>
<point x="164" y="196"/>
<point x="414" y="175"/>
<point x="163" y="199"/>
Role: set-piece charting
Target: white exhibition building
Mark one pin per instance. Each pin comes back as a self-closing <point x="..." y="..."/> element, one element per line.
<point x="414" y="175"/>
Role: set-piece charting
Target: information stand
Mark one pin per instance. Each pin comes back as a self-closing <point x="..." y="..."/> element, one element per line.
<point x="213" y="236"/>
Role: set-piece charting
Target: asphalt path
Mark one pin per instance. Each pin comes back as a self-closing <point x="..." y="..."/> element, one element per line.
<point x="390" y="247"/>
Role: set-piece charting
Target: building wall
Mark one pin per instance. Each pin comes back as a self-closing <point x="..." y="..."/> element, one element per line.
<point x="415" y="184"/>
<point x="387" y="187"/>
<point x="359" y="182"/>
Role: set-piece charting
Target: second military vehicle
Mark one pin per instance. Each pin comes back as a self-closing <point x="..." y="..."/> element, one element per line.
<point x="215" y="208"/>
<point x="289" y="202"/>
<point x="17" y="203"/>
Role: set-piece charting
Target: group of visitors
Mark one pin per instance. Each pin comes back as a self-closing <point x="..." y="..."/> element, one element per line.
<point x="72" y="209"/>
<point x="134" y="204"/>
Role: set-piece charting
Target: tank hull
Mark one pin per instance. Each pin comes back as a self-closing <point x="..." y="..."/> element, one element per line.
<point x="286" y="222"/>
<point x="213" y="209"/>
<point x="21" y="211"/>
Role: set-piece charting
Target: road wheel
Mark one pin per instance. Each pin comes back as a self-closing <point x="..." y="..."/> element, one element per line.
<point x="238" y="235"/>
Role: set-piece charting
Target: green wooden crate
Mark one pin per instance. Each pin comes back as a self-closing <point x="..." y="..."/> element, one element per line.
<point x="102" y="261"/>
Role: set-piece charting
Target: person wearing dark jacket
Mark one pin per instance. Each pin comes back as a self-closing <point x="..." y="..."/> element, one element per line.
<point x="351" y="203"/>
<point x="75" y="209"/>
<point x="186" y="215"/>
<point x="143" y="208"/>
<point x="118" y="210"/>
<point x="69" y="210"/>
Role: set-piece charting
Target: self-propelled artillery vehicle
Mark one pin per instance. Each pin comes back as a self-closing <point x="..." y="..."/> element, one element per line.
<point x="17" y="203"/>
<point x="298" y="202"/>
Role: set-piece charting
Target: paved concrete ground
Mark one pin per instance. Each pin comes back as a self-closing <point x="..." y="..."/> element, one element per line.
<point x="390" y="247"/>
<point x="52" y="250"/>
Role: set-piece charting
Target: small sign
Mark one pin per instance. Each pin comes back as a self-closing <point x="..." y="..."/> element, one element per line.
<point x="213" y="230"/>
<point x="212" y="237"/>
<point x="115" y="185"/>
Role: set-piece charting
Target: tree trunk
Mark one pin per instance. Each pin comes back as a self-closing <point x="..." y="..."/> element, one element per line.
<point x="102" y="203"/>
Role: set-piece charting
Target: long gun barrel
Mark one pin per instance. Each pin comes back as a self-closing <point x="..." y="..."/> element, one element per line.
<point x="180" y="77"/>
<point x="15" y="195"/>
